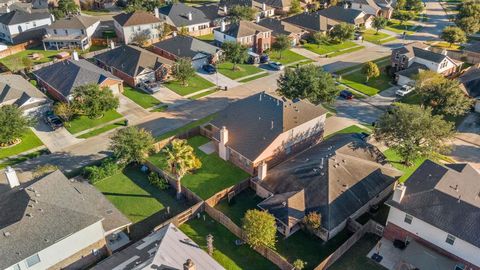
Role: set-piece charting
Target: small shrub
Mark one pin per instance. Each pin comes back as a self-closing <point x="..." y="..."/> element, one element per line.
<point x="158" y="181"/>
<point x="108" y="168"/>
<point x="299" y="264"/>
<point x="313" y="220"/>
<point x="303" y="41"/>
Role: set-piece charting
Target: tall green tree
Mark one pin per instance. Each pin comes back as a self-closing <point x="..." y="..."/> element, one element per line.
<point x="182" y="70"/>
<point x="453" y="34"/>
<point x="281" y="44"/>
<point x="93" y="101"/>
<point x="65" y="8"/>
<point x="342" y="32"/>
<point x="470" y="25"/>
<point x="234" y="52"/>
<point x="295" y="7"/>
<point x="13" y="124"/>
<point x="469" y="8"/>
<point x="400" y="5"/>
<point x="414" y="5"/>
<point x="379" y="23"/>
<point x="370" y="70"/>
<point x="238" y="13"/>
<point x="413" y="132"/>
<point x="260" y="228"/>
<point x="307" y="82"/>
<point x="403" y="16"/>
<point x="66" y="111"/>
<point x="131" y="144"/>
<point x="141" y="38"/>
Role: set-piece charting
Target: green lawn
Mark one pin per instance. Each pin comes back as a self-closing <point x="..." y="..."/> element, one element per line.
<point x="229" y="255"/>
<point x="377" y="38"/>
<point x="14" y="62"/>
<point x="194" y="84"/>
<point x="261" y="75"/>
<point x="287" y="57"/>
<point x="215" y="174"/>
<point x="206" y="38"/>
<point x="354" y="49"/>
<point x="29" y="141"/>
<point x="140" y="97"/>
<point x="356" y="257"/>
<point x="329" y="48"/>
<point x="395" y="160"/>
<point x="82" y="123"/>
<point x="21" y="158"/>
<point x="242" y="70"/>
<point x="101" y="130"/>
<point x="394" y="26"/>
<point x="378" y="61"/>
<point x="357" y="81"/>
<point x="200" y="95"/>
<point x="347" y="130"/>
<point x="186" y="127"/>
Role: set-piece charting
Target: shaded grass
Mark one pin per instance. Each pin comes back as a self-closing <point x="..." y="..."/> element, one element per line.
<point x="254" y="77"/>
<point x="29" y="141"/>
<point x="186" y="127"/>
<point x="194" y="84"/>
<point x="330" y="47"/>
<point x="396" y="161"/>
<point x="22" y="158"/>
<point x="288" y="57"/>
<point x="348" y="130"/>
<point x="206" y="93"/>
<point x="242" y="70"/>
<point x="376" y="38"/>
<point x="82" y="123"/>
<point x="378" y="61"/>
<point x="101" y="130"/>
<point x="357" y="81"/>
<point x="143" y="99"/>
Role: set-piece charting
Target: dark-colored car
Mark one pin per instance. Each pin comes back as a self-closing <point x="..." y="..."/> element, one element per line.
<point x="346" y="94"/>
<point x="52" y="120"/>
<point x="264" y="59"/>
<point x="210" y="69"/>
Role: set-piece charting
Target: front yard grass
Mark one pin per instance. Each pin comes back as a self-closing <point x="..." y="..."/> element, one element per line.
<point x="261" y="75"/>
<point x="357" y="81"/>
<point x="395" y="26"/>
<point x="21" y="158"/>
<point x="242" y="70"/>
<point x="288" y="57"/>
<point x="82" y="123"/>
<point x="349" y="130"/>
<point x="29" y="141"/>
<point x="194" y="84"/>
<point x="330" y="47"/>
<point x="101" y="130"/>
<point x="14" y="62"/>
<point x="215" y="174"/>
<point x="140" y="97"/>
<point x="376" y="38"/>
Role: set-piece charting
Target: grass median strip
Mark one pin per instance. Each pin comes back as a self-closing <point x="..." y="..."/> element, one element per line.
<point x="254" y="77"/>
<point x="101" y="130"/>
<point x="82" y="123"/>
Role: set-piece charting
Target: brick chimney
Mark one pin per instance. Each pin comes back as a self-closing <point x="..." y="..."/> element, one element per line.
<point x="222" y="146"/>
<point x="398" y="193"/>
<point x="189" y="265"/>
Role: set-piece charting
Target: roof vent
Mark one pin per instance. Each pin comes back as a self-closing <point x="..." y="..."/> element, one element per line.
<point x="29" y="215"/>
<point x="40" y="210"/>
<point x="6" y="234"/>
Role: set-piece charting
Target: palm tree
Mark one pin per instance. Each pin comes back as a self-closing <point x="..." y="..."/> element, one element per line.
<point x="181" y="159"/>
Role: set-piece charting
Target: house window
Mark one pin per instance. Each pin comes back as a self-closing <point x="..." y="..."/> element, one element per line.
<point x="66" y="32"/>
<point x="83" y="31"/>
<point x="450" y="239"/>
<point x="32" y="260"/>
<point x="408" y="219"/>
<point x="55" y="31"/>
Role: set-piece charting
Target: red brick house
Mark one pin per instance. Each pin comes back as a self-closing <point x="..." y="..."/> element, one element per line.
<point x="249" y="34"/>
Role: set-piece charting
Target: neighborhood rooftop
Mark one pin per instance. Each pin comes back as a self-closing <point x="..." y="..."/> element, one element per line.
<point x="179" y="13"/>
<point x="244" y="28"/>
<point x="135" y="18"/>
<point x="74" y="22"/>
<point x="20" y="16"/>
<point x="15" y="87"/>
<point x="279" y="27"/>
<point x="186" y="46"/>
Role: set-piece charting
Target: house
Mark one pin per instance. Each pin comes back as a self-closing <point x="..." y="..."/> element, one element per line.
<point x="410" y="59"/>
<point x="167" y="248"/>
<point x="56" y="223"/>
<point x="14" y="89"/>
<point x="19" y="26"/>
<point x="470" y="82"/>
<point x="129" y="26"/>
<point x="61" y="78"/>
<point x="134" y="65"/>
<point x="181" y="16"/>
<point x="377" y="8"/>
<point x="280" y="27"/>
<point x="71" y="32"/>
<point x="439" y="207"/>
<point x="472" y="52"/>
<point x="254" y="36"/>
<point x="261" y="7"/>
<point x="264" y="130"/>
<point x="200" y="52"/>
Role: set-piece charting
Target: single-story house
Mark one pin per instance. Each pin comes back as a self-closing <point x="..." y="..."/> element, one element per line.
<point x="470" y="82"/>
<point x="14" y="89"/>
<point x="280" y="27"/>
<point x="134" y="65"/>
<point x="179" y="46"/>
<point x="179" y="16"/>
<point x="339" y="178"/>
<point x="254" y="36"/>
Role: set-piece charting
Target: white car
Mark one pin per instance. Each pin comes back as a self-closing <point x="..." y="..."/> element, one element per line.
<point x="406" y="89"/>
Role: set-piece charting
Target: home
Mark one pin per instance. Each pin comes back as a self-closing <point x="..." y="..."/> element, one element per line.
<point x="71" y="32"/>
<point x="19" y="26"/>
<point x="167" y="248"/>
<point x="438" y="207"/>
<point x="264" y="130"/>
<point x="137" y="26"/>
<point x="179" y="46"/>
<point x="254" y="36"/>
<point x="408" y="61"/>
<point x="377" y="8"/>
<point x="14" y="89"/>
<point x="134" y="65"/>
<point x="185" y="18"/>
<point x="261" y="7"/>
<point x="56" y="223"/>
<point x="472" y="52"/>
<point x="280" y="27"/>
<point x="60" y="79"/>
<point x="470" y="82"/>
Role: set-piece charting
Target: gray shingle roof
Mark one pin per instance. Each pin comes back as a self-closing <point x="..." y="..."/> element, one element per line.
<point x="75" y="22"/>
<point x="307" y="20"/>
<point x="473" y="47"/>
<point x="445" y="197"/>
<point x="279" y="27"/>
<point x="177" y="13"/>
<point x="186" y="46"/>
<point x="288" y="207"/>
<point x="20" y="16"/>
<point x="428" y="55"/>
<point x="244" y="29"/>
<point x="471" y="82"/>
<point x="15" y="87"/>
<point x="341" y="14"/>
<point x="412" y="71"/>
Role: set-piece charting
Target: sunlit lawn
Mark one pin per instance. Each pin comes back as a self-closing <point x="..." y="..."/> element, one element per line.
<point x="29" y="141"/>
<point x="329" y="48"/>
<point x="357" y="80"/>
<point x="241" y="70"/>
<point x="287" y="57"/>
<point x="194" y="84"/>
<point x="82" y="123"/>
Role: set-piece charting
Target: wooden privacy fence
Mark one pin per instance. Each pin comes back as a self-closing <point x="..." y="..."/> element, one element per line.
<point x="216" y="198"/>
<point x="184" y="216"/>
<point x="184" y="135"/>
<point x="18" y="48"/>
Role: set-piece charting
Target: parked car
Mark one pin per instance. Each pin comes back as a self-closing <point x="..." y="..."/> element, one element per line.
<point x="358" y="36"/>
<point x="346" y="94"/>
<point x="253" y="58"/>
<point x="404" y="90"/>
<point x="150" y="87"/>
<point x="276" y="65"/>
<point x="210" y="69"/>
<point x="264" y="59"/>
<point x="52" y="120"/>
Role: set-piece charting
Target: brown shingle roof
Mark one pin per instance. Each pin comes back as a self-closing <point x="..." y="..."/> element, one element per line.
<point x="244" y="28"/>
<point x="135" y="18"/>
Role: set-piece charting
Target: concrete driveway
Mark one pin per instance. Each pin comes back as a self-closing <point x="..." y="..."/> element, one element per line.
<point x="56" y="140"/>
<point x="218" y="79"/>
<point x="131" y="110"/>
<point x="464" y="152"/>
<point x="169" y="97"/>
<point x="358" y="110"/>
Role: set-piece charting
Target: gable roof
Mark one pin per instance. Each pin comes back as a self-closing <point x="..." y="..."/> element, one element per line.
<point x="339" y="176"/>
<point x="20" y="16"/>
<point x="75" y="22"/>
<point x="288" y="207"/>
<point x="132" y="60"/>
<point x="371" y="3"/>
<point x="66" y="75"/>
<point x="135" y="18"/>
<point x="471" y="82"/>
<point x="277" y="3"/>
<point x="177" y="14"/>
<point x="15" y="87"/>
<point x="307" y="20"/>
<point x="342" y="14"/>
<point x="243" y="29"/>
<point x="428" y="55"/>
<point x="472" y="47"/>
<point x="445" y="197"/>
<point x="186" y="46"/>
<point x="413" y="70"/>
<point x="279" y="27"/>
<point x="255" y="122"/>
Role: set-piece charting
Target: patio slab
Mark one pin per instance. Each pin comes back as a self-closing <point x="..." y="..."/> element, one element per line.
<point x="207" y="148"/>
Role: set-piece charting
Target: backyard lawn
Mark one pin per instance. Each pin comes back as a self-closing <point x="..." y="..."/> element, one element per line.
<point x="82" y="123"/>
<point x="330" y="48"/>
<point x="194" y="84"/>
<point x="207" y="38"/>
<point x="347" y="130"/>
<point x="357" y="81"/>
<point x="143" y="99"/>
<point x="29" y="141"/>
<point x="394" y="26"/>
<point x="242" y="70"/>
<point x="288" y="57"/>
<point x="215" y="174"/>
<point x="229" y="255"/>
<point x="377" y="38"/>
<point x="14" y="62"/>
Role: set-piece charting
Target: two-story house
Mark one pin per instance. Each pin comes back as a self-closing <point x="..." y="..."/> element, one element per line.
<point x="185" y="18"/>
<point x="130" y="25"/>
<point x="262" y="8"/>
<point x="280" y="27"/>
<point x="382" y="8"/>
<point x="249" y="34"/>
<point x="71" y="32"/>
<point x="18" y="26"/>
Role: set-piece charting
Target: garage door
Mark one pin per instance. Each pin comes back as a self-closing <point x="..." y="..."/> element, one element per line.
<point x="115" y="89"/>
<point x="197" y="64"/>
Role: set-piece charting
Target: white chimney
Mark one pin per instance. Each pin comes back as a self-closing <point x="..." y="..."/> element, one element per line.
<point x="264" y="6"/>
<point x="222" y="26"/>
<point x="11" y="177"/>
<point x="7" y="9"/>
<point x="222" y="146"/>
<point x="157" y="14"/>
<point x="225" y="9"/>
<point x="262" y="171"/>
<point x="258" y="19"/>
<point x="189" y="16"/>
<point x="75" y="55"/>
<point x="398" y="193"/>
<point x="444" y="52"/>
<point x="345" y="6"/>
<point x="174" y="33"/>
<point x="112" y="44"/>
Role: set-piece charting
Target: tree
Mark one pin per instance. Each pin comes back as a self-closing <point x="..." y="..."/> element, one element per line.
<point x="379" y="23"/>
<point x="141" y="38"/>
<point x="443" y="95"/>
<point x="453" y="34"/>
<point x="131" y="144"/>
<point x="144" y="5"/>
<point x="320" y="38"/>
<point x="234" y="52"/>
<point x="299" y="264"/>
<point x="313" y="220"/>
<point x="295" y="7"/>
<point x="238" y="13"/>
<point x="400" y="5"/>
<point x="370" y="70"/>
<point x="27" y="63"/>
<point x="281" y="44"/>
<point x="93" y="101"/>
<point x="469" y="8"/>
<point x="164" y="30"/>
<point x="64" y="8"/>
<point x="470" y="25"/>
<point x="182" y="70"/>
<point x="66" y="111"/>
<point x="413" y="132"/>
<point x="260" y="228"/>
<point x="183" y="31"/>
<point x="342" y="31"/>
<point x="414" y="5"/>
<point x="403" y="16"/>
<point x="307" y="82"/>
<point x="13" y="124"/>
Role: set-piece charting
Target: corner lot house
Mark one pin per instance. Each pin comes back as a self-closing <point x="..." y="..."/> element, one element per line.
<point x="71" y="32"/>
<point x="439" y="207"/>
<point x="129" y="25"/>
<point x="200" y="52"/>
<point x="14" y="89"/>
<point x="254" y="36"/>
<point x="279" y="27"/>
<point x="134" y="65"/>
<point x="18" y="26"/>
<point x="54" y="223"/>
<point x="264" y="130"/>
<point x="339" y="178"/>
<point x="181" y="16"/>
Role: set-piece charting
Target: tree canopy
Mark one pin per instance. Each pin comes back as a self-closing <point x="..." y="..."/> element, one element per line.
<point x="260" y="228"/>
<point x="342" y="32"/>
<point x="468" y="18"/>
<point x="370" y="70"/>
<point x="64" y="8"/>
<point x="181" y="158"/>
<point x="238" y="13"/>
<point x="403" y="16"/>
<point x="281" y="44"/>
<point x="141" y="38"/>
<point x="414" y="5"/>
<point x="234" y="52"/>
<point x="182" y="70"/>
<point x="295" y="7"/>
<point x="13" y="124"/>
<point x="145" y="5"/>
<point x="453" y="34"/>
<point x="93" y="101"/>
<point x="379" y="22"/>
<point x="131" y="144"/>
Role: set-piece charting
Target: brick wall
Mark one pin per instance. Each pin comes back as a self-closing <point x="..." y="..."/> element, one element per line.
<point x="52" y="91"/>
<point x="163" y="53"/>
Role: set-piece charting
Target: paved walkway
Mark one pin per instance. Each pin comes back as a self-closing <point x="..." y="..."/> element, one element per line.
<point x="169" y="97"/>
<point x="218" y="79"/>
<point x="131" y="110"/>
<point x="54" y="140"/>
